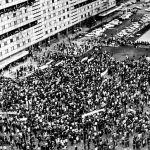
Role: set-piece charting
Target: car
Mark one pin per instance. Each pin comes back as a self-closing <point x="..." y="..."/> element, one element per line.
<point x="115" y="20"/>
<point x="138" y="7"/>
<point x="111" y="25"/>
<point x="132" y="27"/>
<point x="89" y="35"/>
<point x="131" y="35"/>
<point x="108" y="26"/>
<point x="129" y="30"/>
<point x="135" y="25"/>
<point x="100" y="29"/>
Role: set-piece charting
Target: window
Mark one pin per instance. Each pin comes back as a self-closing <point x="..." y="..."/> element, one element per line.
<point x="59" y="12"/>
<point x="63" y="10"/>
<point x="11" y="40"/>
<point x="49" y="16"/>
<point x="52" y="1"/>
<point x="3" y="27"/>
<point x="23" y="42"/>
<point x="44" y="11"/>
<point x="53" y="7"/>
<point x="12" y="48"/>
<point x="54" y="14"/>
<point x="26" y="17"/>
<point x="66" y="3"/>
<point x="21" y="20"/>
<point x="59" y="19"/>
<point x="5" y="43"/>
<point x="29" y="40"/>
<point x="54" y="21"/>
<point x="51" y="30"/>
<point x="6" y="1"/>
<point x="55" y="28"/>
<point x="46" y="32"/>
<point x="63" y="17"/>
<point x="6" y="51"/>
<point x="14" y="14"/>
<point x="1" y="53"/>
<point x="68" y="15"/>
<point x="18" y="45"/>
<point x="67" y="9"/>
<point x="15" y="22"/>
<point x="17" y="38"/>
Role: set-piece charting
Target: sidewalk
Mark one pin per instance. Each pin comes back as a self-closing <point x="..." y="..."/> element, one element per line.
<point x="11" y="73"/>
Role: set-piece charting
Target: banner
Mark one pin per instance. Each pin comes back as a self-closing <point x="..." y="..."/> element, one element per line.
<point x="104" y="73"/>
<point x="93" y="112"/>
<point x="148" y="58"/>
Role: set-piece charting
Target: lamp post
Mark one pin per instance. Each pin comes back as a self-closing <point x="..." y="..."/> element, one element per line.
<point x="84" y="140"/>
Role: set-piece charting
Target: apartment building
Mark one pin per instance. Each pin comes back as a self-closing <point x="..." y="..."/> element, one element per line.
<point x="24" y="23"/>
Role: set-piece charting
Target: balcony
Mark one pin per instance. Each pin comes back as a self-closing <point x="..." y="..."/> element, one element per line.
<point x="17" y="4"/>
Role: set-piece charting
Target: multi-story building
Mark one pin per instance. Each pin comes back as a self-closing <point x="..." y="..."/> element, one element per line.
<point x="24" y="23"/>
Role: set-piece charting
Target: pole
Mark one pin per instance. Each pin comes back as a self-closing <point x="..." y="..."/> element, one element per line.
<point x="84" y="138"/>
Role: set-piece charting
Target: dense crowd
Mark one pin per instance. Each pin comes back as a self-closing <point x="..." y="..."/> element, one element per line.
<point x="48" y="106"/>
<point x="50" y="109"/>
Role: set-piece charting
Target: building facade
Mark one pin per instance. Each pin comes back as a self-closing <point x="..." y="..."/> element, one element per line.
<point x="24" y="23"/>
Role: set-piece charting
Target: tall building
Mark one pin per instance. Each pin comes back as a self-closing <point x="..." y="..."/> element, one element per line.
<point x="24" y="23"/>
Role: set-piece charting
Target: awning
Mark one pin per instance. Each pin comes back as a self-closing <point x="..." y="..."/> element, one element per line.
<point x="13" y="58"/>
<point x="109" y="12"/>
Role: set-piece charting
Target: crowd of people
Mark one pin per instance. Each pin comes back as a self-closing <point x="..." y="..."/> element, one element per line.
<point x="48" y="106"/>
<point x="83" y="96"/>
